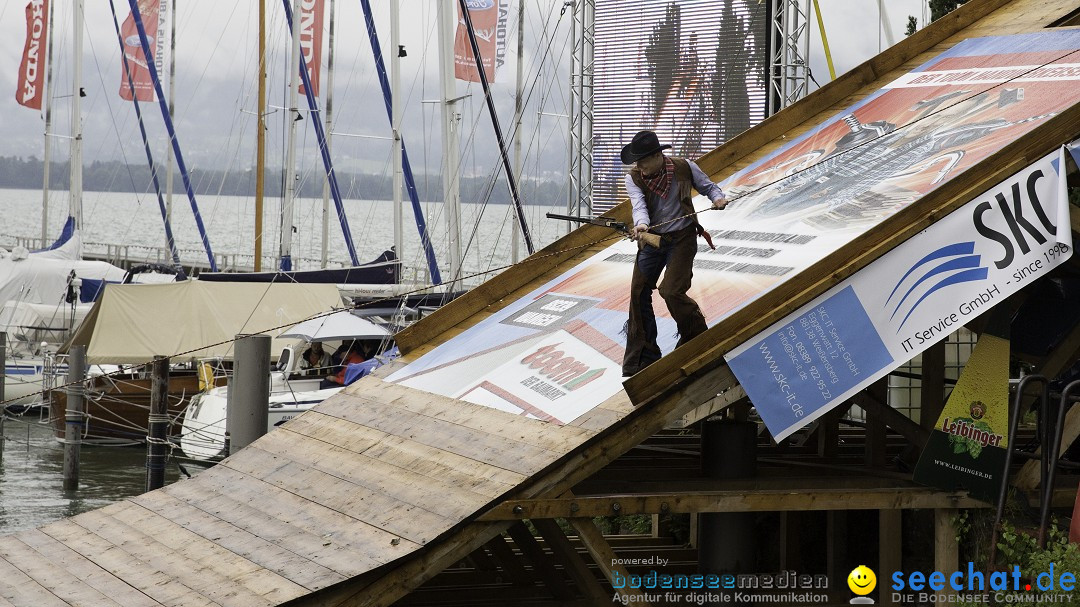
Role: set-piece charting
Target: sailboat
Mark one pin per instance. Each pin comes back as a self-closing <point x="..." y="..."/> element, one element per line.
<point x="39" y="289"/>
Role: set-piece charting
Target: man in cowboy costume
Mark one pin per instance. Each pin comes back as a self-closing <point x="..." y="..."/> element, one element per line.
<point x="659" y="188"/>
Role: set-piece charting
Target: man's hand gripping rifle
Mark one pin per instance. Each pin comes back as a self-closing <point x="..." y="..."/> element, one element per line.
<point x="653" y="240"/>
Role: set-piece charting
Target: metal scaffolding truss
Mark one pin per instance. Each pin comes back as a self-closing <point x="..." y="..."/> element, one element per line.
<point x="789" y="53"/>
<point x="582" y="35"/>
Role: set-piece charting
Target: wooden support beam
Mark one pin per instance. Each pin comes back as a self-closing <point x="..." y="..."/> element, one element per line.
<point x="828" y="432"/>
<point x="889" y="550"/>
<point x="932" y="386"/>
<point x="876" y="433"/>
<point x="572" y="561"/>
<point x="508" y="562"/>
<point x="604" y="556"/>
<point x="836" y="553"/>
<point x="737" y="500"/>
<point x="946" y="551"/>
<point x="712" y="407"/>
<point x="790" y="541"/>
<point x="913" y="432"/>
<point x="541" y="563"/>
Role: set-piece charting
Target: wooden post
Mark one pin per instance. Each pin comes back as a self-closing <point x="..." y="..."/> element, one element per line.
<point x="158" y="425"/>
<point x="932" y="388"/>
<point x="74" y="423"/>
<point x="946" y="552"/>
<point x="248" y="411"/>
<point x="889" y="551"/>
<point x="605" y="558"/>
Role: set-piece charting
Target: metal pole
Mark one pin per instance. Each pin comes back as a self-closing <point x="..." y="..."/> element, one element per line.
<point x="329" y="133"/>
<point x="75" y="202"/>
<point x="260" y="142"/>
<point x="172" y="112"/>
<point x="3" y="378"/>
<point x="158" y="424"/>
<point x="249" y="392"/>
<point x="396" y="107"/>
<point x="519" y="109"/>
<point x="73" y="416"/>
<point x="447" y="17"/>
<point x="293" y="114"/>
<point x="49" y="94"/>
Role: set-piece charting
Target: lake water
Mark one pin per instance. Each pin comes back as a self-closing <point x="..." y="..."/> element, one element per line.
<point x="32" y="476"/>
<point x="31" y="473"/>
<point x="134" y="220"/>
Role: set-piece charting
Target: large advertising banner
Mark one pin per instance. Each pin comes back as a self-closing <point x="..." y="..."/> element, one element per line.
<point x="907" y="300"/>
<point x="787" y="211"/>
<point x="489" y="18"/>
<point x="133" y="59"/>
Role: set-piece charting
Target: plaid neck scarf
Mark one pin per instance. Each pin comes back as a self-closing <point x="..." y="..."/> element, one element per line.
<point x="660" y="183"/>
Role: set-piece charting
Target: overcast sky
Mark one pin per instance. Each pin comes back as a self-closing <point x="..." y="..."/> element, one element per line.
<point x="216" y="85"/>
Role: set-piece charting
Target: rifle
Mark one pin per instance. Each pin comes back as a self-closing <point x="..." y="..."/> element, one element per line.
<point x="653" y="240"/>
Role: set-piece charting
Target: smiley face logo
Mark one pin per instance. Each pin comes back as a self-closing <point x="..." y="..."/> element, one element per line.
<point x="862" y="580"/>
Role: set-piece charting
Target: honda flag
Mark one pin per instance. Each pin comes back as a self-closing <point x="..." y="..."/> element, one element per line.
<point x="31" y="69"/>
<point x="133" y="53"/>
<point x="489" y="25"/>
<point x="311" y="20"/>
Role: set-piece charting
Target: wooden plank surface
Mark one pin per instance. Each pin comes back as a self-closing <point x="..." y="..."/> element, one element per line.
<point x="326" y="536"/>
<point x="304" y="496"/>
<point x="21" y="589"/>
<point x="156" y="584"/>
<point x="51" y="575"/>
<point x="84" y="569"/>
<point x="289" y="564"/>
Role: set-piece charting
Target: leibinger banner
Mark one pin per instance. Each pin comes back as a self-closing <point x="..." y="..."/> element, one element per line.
<point x="908" y="299"/>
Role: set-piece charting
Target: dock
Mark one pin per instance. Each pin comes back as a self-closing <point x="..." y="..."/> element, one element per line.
<point x="391" y="495"/>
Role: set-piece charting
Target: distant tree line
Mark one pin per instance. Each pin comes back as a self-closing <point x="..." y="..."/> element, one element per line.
<point x="114" y="176"/>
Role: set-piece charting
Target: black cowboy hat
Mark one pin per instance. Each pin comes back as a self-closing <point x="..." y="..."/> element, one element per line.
<point x="643" y="144"/>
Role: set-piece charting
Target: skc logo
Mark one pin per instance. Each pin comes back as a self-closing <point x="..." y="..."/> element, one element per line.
<point x="479" y="5"/>
<point x="950" y="265"/>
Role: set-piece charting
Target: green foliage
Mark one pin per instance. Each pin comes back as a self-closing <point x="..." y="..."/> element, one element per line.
<point x="940" y="8"/>
<point x="912" y="25"/>
<point x="1018" y="547"/>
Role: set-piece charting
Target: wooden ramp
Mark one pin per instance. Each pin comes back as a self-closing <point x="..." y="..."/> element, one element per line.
<point x="378" y="489"/>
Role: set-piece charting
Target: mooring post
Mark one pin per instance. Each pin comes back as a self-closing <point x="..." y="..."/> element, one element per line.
<point x="249" y="392"/>
<point x="158" y="425"/>
<point x="73" y="416"/>
<point x="3" y="378"/>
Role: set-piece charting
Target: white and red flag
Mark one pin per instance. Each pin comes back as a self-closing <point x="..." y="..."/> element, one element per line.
<point x="133" y="54"/>
<point x="311" y="29"/>
<point x="32" y="67"/>
<point x="489" y="25"/>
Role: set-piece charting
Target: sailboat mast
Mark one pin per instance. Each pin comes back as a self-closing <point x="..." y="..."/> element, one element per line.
<point x="329" y="135"/>
<point x="48" y="132"/>
<point x="260" y="146"/>
<point x="519" y="109"/>
<point x="172" y="112"/>
<point x="395" y="124"/>
<point x="75" y="202"/>
<point x="285" y="252"/>
<point x="447" y="15"/>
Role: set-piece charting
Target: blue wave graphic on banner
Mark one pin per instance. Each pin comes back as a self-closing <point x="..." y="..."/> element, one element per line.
<point x="963" y="266"/>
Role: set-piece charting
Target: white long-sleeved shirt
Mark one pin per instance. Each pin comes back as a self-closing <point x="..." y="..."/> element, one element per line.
<point x="669" y="208"/>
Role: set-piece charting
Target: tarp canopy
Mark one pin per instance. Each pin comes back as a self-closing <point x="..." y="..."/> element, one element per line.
<point x="133" y="323"/>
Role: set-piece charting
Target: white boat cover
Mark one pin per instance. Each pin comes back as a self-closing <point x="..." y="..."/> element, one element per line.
<point x="36" y="322"/>
<point x="39" y="279"/>
<point x="194" y="319"/>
